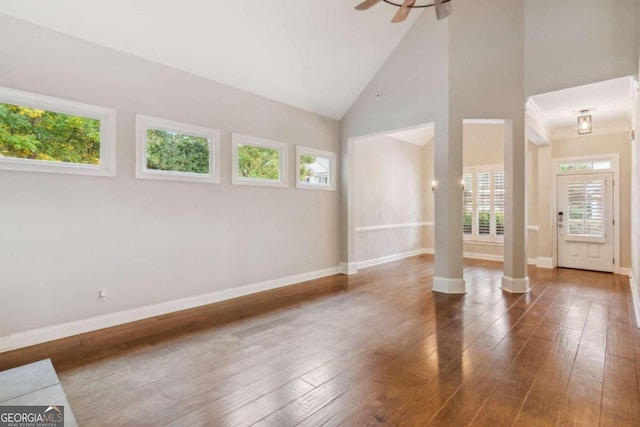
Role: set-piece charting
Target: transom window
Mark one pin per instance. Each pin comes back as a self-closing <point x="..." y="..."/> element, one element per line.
<point x="168" y="150"/>
<point x="586" y="165"/>
<point x="316" y="169"/>
<point x="258" y="161"/>
<point x="483" y="203"/>
<point x="45" y="134"/>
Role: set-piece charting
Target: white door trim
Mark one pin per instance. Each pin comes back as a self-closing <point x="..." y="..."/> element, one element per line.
<point x="615" y="163"/>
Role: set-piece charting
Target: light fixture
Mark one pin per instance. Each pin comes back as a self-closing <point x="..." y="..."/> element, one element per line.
<point x="442" y="7"/>
<point x="584" y="123"/>
<point x="433" y="186"/>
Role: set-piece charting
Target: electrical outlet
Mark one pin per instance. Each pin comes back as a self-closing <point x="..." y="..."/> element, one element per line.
<point x="309" y="259"/>
<point x="102" y="294"/>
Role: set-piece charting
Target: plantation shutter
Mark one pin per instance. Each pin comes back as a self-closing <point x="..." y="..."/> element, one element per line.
<point x="498" y="202"/>
<point x="483" y="203"/>
<point x="467" y="205"/>
<point x="586" y="215"/>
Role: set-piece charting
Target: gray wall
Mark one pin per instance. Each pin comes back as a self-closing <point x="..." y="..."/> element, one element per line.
<point x="64" y="236"/>
<point x="413" y="87"/>
<point x="574" y="42"/>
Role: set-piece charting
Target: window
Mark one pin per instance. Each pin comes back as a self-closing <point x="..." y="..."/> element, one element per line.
<point x="43" y="134"/>
<point x="483" y="202"/>
<point x="467" y="205"/>
<point x="315" y="169"/>
<point x="586" y="220"/>
<point x="174" y="151"/>
<point x="586" y="165"/>
<point x="258" y="161"/>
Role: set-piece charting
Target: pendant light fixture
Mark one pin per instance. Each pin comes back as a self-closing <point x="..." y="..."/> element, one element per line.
<point x="584" y="123"/>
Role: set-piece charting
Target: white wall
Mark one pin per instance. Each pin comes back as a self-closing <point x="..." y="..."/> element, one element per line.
<point x="63" y="237"/>
<point x="570" y="43"/>
<point x="391" y="189"/>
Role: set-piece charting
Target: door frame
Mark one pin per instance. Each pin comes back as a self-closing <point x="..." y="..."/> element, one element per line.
<point x="615" y="168"/>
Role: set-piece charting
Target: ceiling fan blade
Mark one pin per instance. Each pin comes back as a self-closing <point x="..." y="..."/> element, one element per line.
<point x="403" y="12"/>
<point x="367" y="4"/>
<point x="442" y="9"/>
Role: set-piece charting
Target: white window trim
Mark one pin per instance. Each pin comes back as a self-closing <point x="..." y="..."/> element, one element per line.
<point x="331" y="186"/>
<point x="144" y="123"/>
<point x="107" y="117"/>
<point x="475" y="237"/>
<point x="283" y="148"/>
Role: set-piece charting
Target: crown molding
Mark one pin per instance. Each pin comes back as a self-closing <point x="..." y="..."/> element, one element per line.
<point x="538" y="128"/>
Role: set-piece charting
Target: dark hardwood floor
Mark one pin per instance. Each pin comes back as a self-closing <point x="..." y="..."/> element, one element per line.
<point x="377" y="348"/>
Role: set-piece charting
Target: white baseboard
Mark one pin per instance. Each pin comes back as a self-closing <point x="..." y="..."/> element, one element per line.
<point x="63" y="330"/>
<point x="449" y="286"/>
<point x="348" y="268"/>
<point x="625" y="271"/>
<point x="390" y="258"/>
<point x="484" y="257"/>
<point x="429" y="251"/>
<point x="545" y="262"/>
<point x="636" y="298"/>
<point x="532" y="261"/>
<point x="515" y="286"/>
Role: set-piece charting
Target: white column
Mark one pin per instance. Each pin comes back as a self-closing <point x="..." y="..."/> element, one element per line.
<point x="515" y="278"/>
<point x="448" y="210"/>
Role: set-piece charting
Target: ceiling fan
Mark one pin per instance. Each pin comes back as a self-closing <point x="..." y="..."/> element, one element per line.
<point x="443" y="8"/>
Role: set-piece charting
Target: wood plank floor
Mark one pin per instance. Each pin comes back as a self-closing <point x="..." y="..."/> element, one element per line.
<point x="377" y="348"/>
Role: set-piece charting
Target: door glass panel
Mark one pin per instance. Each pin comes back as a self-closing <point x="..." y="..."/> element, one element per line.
<point x="586" y="208"/>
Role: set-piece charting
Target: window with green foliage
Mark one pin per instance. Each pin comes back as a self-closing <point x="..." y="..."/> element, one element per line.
<point x="30" y="133"/>
<point x="177" y="152"/>
<point x="483" y="203"/>
<point x="258" y="161"/>
<point x="170" y="150"/>
<point x="315" y="168"/>
<point x="47" y="134"/>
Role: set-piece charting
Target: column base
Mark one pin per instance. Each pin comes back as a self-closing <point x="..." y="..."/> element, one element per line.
<point x="449" y="286"/>
<point x="348" y="268"/>
<point x="515" y="286"/>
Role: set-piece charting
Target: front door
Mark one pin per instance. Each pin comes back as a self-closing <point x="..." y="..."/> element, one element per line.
<point x="585" y="221"/>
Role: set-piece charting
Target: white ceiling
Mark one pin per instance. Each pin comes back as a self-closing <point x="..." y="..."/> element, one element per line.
<point x="316" y="55"/>
<point x="612" y="100"/>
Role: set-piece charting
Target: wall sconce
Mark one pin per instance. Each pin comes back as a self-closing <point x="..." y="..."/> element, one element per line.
<point x="433" y="186"/>
<point x="462" y="184"/>
<point x="584" y="123"/>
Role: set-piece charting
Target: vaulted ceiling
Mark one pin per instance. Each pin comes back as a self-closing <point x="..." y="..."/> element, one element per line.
<point x="316" y="55"/>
